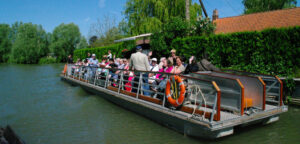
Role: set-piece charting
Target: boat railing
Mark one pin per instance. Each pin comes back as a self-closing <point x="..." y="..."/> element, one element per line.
<point x="274" y="86"/>
<point x="203" y="97"/>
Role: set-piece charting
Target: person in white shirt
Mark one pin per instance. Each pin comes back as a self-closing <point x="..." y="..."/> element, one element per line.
<point x="154" y="68"/>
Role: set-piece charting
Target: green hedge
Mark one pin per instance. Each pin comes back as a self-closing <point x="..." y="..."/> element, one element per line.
<point x="116" y="49"/>
<point x="270" y="51"/>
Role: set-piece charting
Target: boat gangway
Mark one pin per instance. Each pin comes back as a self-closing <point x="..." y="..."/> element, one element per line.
<point x="215" y="103"/>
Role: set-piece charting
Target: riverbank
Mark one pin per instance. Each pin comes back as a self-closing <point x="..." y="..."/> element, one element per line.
<point x="43" y="109"/>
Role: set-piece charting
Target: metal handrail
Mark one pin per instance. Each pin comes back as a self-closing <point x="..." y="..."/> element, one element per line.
<point x="93" y="78"/>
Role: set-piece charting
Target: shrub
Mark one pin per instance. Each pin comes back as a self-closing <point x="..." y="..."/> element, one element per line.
<point x="47" y="60"/>
<point x="269" y="51"/>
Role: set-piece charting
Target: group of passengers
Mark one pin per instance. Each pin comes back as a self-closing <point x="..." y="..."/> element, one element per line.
<point x="152" y="82"/>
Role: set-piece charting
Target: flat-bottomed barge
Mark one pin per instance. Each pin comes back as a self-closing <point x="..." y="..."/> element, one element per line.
<point x="214" y="102"/>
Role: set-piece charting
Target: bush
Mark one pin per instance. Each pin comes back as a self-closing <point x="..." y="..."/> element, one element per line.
<point x="47" y="60"/>
<point x="269" y="51"/>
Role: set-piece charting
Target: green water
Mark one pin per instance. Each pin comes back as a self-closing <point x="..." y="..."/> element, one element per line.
<point x="43" y="109"/>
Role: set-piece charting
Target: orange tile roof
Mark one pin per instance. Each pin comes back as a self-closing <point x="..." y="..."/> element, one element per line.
<point x="259" y="21"/>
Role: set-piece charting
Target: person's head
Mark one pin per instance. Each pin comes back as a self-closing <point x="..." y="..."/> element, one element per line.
<point x="89" y="54"/>
<point x="121" y="61"/>
<point x="154" y="61"/>
<point x="94" y="56"/>
<point x="117" y="60"/>
<point x="169" y="63"/>
<point x="139" y="48"/>
<point x="178" y="60"/>
<point x="70" y="56"/>
<point x="173" y="53"/>
<point x="111" y="61"/>
<point x="125" y="61"/>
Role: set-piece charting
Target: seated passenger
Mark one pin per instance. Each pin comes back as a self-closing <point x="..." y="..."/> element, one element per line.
<point x="112" y="71"/>
<point x="179" y="68"/>
<point x="154" y="68"/>
<point x="168" y="69"/>
<point x="192" y="66"/>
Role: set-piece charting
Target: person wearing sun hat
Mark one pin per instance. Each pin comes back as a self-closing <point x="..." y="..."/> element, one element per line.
<point x="173" y="56"/>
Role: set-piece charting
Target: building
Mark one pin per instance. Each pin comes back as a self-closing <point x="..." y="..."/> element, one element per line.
<point x="257" y="21"/>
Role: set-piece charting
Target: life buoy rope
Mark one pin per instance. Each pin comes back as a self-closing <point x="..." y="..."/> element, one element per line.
<point x="178" y="100"/>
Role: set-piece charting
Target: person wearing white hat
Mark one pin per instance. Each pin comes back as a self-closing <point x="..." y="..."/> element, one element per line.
<point x="93" y="61"/>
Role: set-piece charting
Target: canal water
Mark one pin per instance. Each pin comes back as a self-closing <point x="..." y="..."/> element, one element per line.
<point x="42" y="109"/>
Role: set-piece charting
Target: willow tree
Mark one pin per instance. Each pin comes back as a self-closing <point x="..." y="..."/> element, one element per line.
<point x="144" y="16"/>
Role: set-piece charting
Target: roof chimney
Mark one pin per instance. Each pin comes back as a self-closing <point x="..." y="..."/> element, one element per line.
<point x="215" y="15"/>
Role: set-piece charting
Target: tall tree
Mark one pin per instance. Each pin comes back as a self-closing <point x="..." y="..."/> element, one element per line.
<point x="144" y="16"/>
<point x="65" y="37"/>
<point x="82" y="44"/>
<point x="5" y="43"/>
<point x="30" y="44"/>
<point x="254" y="6"/>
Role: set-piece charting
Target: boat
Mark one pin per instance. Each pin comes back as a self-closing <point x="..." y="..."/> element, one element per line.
<point x="8" y="136"/>
<point x="214" y="103"/>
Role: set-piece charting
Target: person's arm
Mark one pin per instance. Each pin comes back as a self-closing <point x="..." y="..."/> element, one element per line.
<point x="130" y="63"/>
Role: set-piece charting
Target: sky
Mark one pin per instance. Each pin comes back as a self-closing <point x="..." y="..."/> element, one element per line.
<point x="51" y="13"/>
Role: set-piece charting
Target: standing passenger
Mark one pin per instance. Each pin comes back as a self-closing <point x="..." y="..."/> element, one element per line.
<point x="139" y="61"/>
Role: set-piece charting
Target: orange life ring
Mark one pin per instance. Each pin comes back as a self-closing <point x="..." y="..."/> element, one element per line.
<point x="65" y="69"/>
<point x="175" y="102"/>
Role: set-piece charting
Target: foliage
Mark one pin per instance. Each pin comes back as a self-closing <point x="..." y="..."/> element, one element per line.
<point x="92" y="40"/>
<point x="177" y="27"/>
<point x="108" y="38"/>
<point x="30" y="44"/>
<point x="47" y="60"/>
<point x="5" y="43"/>
<point x="116" y="49"/>
<point x="65" y="37"/>
<point x="270" y="51"/>
<point x="203" y="27"/>
<point x="148" y="16"/>
<point x="82" y="44"/>
<point x="254" y="6"/>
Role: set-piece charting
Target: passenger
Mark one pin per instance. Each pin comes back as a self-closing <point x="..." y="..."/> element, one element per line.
<point x="70" y="59"/>
<point x="168" y="69"/>
<point x="112" y="65"/>
<point x="77" y="66"/>
<point x="192" y="66"/>
<point x="152" y="76"/>
<point x="179" y="68"/>
<point x="88" y="56"/>
<point x="139" y="61"/>
<point x="173" y="56"/>
<point x="162" y="65"/>
<point x="128" y="75"/>
<point x="93" y="64"/>
<point x="93" y="61"/>
<point x="109" y="56"/>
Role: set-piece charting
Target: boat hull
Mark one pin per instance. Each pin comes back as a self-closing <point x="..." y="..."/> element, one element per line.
<point x="164" y="116"/>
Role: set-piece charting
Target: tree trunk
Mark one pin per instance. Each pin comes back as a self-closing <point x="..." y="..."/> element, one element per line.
<point x="187" y="10"/>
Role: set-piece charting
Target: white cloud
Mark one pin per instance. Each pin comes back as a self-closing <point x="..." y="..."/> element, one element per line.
<point x="101" y="3"/>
